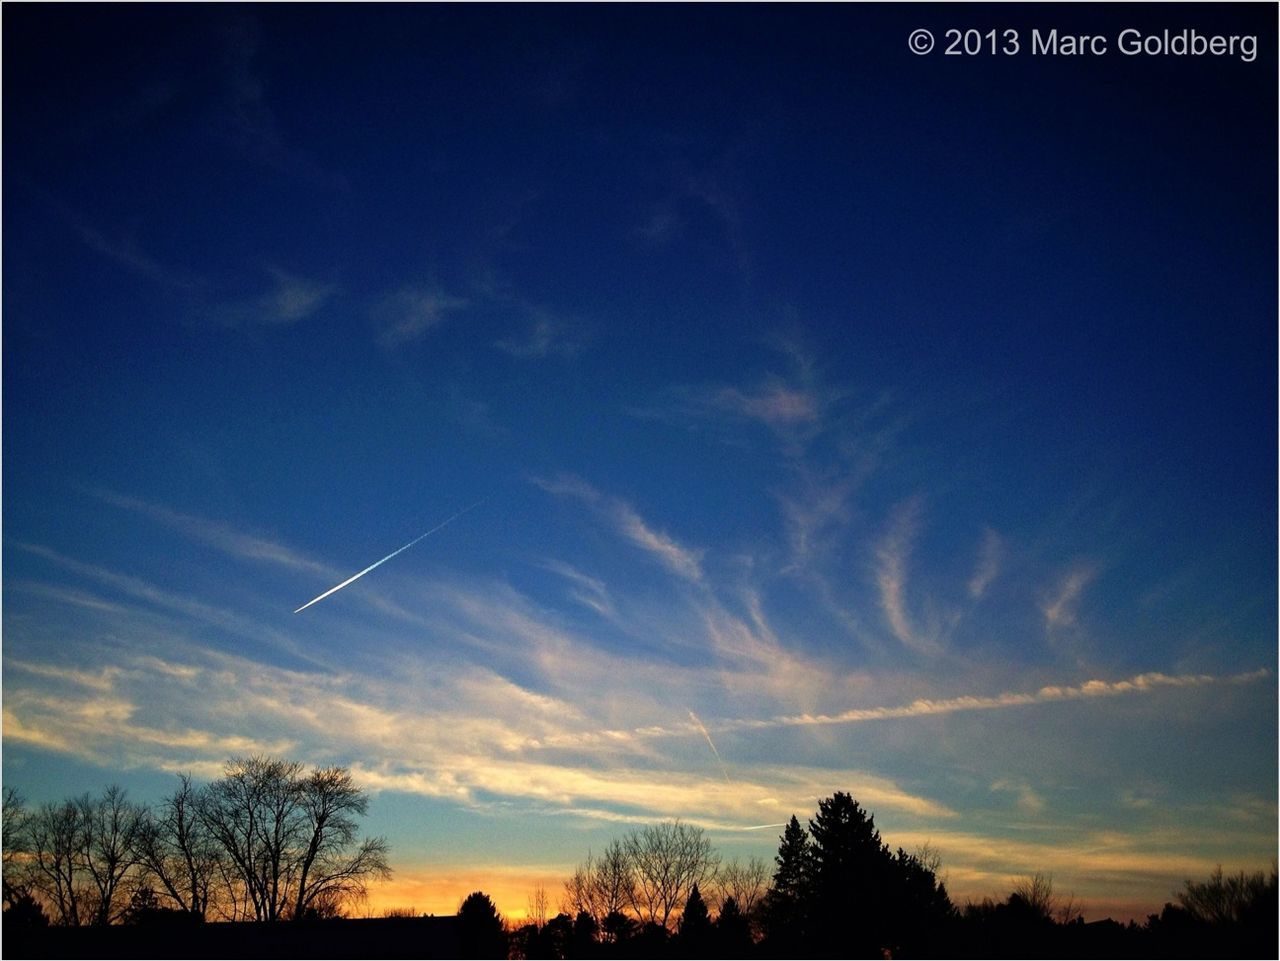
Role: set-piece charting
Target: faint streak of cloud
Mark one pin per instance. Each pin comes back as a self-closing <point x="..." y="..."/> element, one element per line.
<point x="219" y="536"/>
<point x="591" y="591"/>
<point x="679" y="559"/>
<point x="546" y="337"/>
<point x="990" y="555"/>
<point x="892" y="559"/>
<point x="287" y="300"/>
<point x="1029" y="802"/>
<point x="126" y="253"/>
<point x="198" y="610"/>
<point x="294" y="298"/>
<point x="924" y="707"/>
<point x="1060" y="609"/>
<point x="1139" y="684"/>
<point x="775" y="404"/>
<point x="410" y="312"/>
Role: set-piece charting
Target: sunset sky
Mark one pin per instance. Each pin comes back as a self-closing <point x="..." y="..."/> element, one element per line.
<point x="839" y="419"/>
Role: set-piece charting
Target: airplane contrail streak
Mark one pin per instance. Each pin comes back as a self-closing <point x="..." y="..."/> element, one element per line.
<point x="356" y="577"/>
<point x="711" y="744"/>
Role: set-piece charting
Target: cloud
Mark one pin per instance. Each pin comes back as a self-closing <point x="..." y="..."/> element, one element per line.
<point x="591" y="591"/>
<point x="219" y="536"/>
<point x="294" y="298"/>
<point x="892" y="558"/>
<point x="1060" y="609"/>
<point x="1139" y="684"/>
<point x="990" y="555"/>
<point x="126" y="253"/>
<point x="680" y="560"/>
<point x="545" y="337"/>
<point x="248" y="117"/>
<point x="410" y="312"/>
<point x="230" y="621"/>
<point x="287" y="300"/>
<point x="773" y="404"/>
<point x="1029" y="802"/>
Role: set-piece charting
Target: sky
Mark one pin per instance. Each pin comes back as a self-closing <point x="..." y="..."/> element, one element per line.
<point x="824" y="417"/>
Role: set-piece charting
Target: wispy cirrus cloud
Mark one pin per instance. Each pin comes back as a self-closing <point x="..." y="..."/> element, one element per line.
<point x="127" y="253"/>
<point x="545" y="336"/>
<point x="285" y="300"/>
<point x="681" y="560"/>
<point x="1138" y="684"/>
<point x="893" y="558"/>
<point x="410" y="312"/>
<point x="589" y="591"/>
<point x="1059" y="608"/>
<point x="218" y="535"/>
<point x="990" y="556"/>
<point x="225" y="619"/>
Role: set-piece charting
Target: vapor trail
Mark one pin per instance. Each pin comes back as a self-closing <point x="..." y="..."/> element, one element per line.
<point x="356" y="577"/>
<point x="710" y="743"/>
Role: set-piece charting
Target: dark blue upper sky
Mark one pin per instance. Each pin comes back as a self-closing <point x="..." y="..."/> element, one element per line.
<point x="832" y="375"/>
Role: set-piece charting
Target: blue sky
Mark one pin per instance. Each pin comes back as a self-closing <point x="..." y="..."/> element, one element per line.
<point x="906" y="422"/>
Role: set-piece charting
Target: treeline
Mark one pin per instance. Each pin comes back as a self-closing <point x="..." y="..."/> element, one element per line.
<point x="837" y="891"/>
<point x="268" y="841"/>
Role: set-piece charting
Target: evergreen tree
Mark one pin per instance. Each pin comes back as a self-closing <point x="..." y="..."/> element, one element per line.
<point x="786" y="903"/>
<point x="480" y="930"/>
<point x="695" y="925"/>
<point x="733" y="931"/>
<point x="851" y="874"/>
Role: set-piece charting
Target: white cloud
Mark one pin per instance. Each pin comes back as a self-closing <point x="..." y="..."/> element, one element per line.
<point x="545" y="337"/>
<point x="1060" y="608"/>
<point x="892" y="558"/>
<point x="990" y="556"/>
<point x="410" y="312"/>
<point x="685" y="562"/>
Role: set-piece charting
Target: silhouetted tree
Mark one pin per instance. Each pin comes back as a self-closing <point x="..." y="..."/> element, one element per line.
<point x="481" y="933"/>
<point x="583" y="943"/>
<point x="25" y="912"/>
<point x="732" y="931"/>
<point x="55" y="841"/>
<point x="617" y="927"/>
<point x="667" y="859"/>
<point x="849" y="879"/>
<point x="919" y="911"/>
<point x="786" y="903"/>
<point x="289" y="838"/>
<point x="1229" y="900"/>
<point x="602" y="885"/>
<point x="745" y="883"/>
<point x="694" y="929"/>
<point x="177" y="850"/>
<point x="556" y="937"/>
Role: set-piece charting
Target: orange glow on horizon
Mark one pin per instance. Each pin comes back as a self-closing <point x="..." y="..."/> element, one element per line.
<point x="440" y="889"/>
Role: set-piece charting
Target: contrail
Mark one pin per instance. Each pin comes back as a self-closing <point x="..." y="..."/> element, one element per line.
<point x="356" y="577"/>
<point x="712" y="744"/>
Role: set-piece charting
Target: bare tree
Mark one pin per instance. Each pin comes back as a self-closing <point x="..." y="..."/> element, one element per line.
<point x="667" y="859"/>
<point x="55" y="840"/>
<point x="329" y="871"/>
<point x="290" y="839"/>
<point x="602" y="885"/>
<point x="177" y="849"/>
<point x="109" y="832"/>
<point x="745" y="883"/>
<point x="15" y="824"/>
<point x="1037" y="891"/>
<point x="249" y="812"/>
<point x="537" y="906"/>
<point x="1228" y="899"/>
